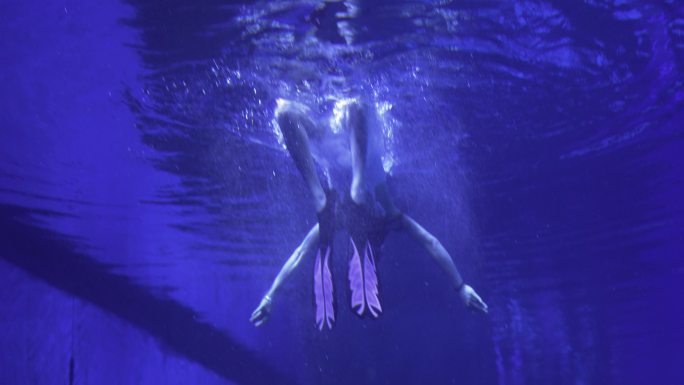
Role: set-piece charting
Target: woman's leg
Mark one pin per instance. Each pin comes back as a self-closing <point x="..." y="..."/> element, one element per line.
<point x="366" y="158"/>
<point x="357" y="123"/>
<point x="293" y="122"/>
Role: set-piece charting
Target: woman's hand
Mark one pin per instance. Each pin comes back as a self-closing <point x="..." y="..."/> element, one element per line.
<point x="471" y="300"/>
<point x="262" y="312"/>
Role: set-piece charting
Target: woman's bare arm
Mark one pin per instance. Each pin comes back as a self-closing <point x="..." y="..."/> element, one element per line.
<point x="467" y="294"/>
<point x="263" y="311"/>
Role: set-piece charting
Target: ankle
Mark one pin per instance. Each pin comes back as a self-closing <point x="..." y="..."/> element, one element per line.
<point x="358" y="196"/>
<point x="320" y="202"/>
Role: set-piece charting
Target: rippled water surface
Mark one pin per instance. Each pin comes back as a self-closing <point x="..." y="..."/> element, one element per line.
<point x="147" y="199"/>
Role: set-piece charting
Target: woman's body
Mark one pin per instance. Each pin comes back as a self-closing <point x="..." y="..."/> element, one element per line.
<point x="368" y="212"/>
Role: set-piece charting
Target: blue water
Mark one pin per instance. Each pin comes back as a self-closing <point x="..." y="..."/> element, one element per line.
<point x="147" y="201"/>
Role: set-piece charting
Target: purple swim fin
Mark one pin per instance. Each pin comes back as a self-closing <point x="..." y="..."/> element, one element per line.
<point x="363" y="281"/>
<point x="323" y="290"/>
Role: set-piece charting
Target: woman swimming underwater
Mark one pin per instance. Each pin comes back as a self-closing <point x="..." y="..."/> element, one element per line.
<point x="367" y="212"/>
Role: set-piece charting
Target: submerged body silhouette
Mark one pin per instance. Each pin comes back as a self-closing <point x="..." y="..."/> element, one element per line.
<point x="367" y="213"/>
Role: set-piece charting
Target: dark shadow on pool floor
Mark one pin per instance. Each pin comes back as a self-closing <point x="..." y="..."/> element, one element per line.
<point x="51" y="258"/>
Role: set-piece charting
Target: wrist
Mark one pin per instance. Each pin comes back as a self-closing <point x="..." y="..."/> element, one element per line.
<point x="460" y="286"/>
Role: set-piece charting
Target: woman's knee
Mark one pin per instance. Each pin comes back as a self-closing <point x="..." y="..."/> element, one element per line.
<point x="286" y="108"/>
<point x="290" y="115"/>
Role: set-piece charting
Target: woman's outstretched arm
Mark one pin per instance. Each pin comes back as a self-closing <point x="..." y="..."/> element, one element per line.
<point x="263" y="311"/>
<point x="468" y="296"/>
